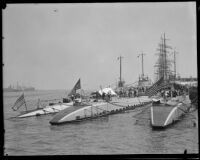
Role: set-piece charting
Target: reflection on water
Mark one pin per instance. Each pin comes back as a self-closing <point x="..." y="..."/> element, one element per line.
<point x="157" y="141"/>
<point x="64" y="126"/>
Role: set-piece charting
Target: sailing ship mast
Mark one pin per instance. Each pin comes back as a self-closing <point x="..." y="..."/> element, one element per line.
<point x="163" y="65"/>
<point x="121" y="83"/>
<point x="142" y="54"/>
<point x="175" y="52"/>
<point x="144" y="81"/>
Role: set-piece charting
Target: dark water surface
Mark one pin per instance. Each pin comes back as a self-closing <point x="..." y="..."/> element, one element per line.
<point x="115" y="134"/>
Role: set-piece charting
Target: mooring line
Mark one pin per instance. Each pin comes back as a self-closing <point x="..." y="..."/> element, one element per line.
<point x="187" y="112"/>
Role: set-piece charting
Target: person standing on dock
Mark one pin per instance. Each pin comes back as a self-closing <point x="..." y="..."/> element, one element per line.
<point x="72" y="97"/>
<point x="135" y="93"/>
<point x="103" y="95"/>
<point x="129" y="93"/>
<point x="109" y="96"/>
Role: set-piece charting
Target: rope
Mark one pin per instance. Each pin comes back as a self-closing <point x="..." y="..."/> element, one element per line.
<point x="194" y="100"/>
<point x="182" y="110"/>
<point x="187" y="112"/>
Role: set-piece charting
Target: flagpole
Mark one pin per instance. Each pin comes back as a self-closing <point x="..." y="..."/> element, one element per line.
<point x="38" y="103"/>
<point x="25" y="104"/>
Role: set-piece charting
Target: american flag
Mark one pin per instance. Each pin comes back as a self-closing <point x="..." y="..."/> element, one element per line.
<point x="160" y="84"/>
<point x="19" y="102"/>
<point x="76" y="87"/>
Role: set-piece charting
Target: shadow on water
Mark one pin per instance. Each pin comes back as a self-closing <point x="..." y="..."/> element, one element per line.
<point x="157" y="141"/>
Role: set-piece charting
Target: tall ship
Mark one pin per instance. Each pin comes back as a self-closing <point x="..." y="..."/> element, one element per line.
<point x="18" y="88"/>
<point x="170" y="100"/>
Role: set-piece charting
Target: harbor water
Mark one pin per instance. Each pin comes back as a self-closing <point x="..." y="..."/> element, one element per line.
<point x="124" y="133"/>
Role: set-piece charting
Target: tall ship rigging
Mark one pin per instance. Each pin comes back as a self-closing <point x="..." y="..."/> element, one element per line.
<point x="163" y="65"/>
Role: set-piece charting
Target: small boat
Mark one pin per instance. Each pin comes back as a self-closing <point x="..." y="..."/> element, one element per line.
<point x="51" y="108"/>
<point x="164" y="114"/>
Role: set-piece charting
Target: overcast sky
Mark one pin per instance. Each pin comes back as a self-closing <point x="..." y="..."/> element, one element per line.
<point x="51" y="46"/>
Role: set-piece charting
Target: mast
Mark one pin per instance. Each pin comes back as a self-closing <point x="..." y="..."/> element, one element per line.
<point x="120" y="77"/>
<point x="165" y="58"/>
<point x="163" y="64"/>
<point x="142" y="54"/>
<point x="175" y="64"/>
<point x="25" y="104"/>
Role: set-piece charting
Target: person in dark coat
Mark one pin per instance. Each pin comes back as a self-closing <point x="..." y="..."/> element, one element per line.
<point x="103" y="96"/>
<point x="72" y="97"/>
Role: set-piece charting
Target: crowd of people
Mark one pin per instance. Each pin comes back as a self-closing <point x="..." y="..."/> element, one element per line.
<point x="128" y="92"/>
<point x="76" y="98"/>
<point x="132" y="92"/>
<point x="172" y="92"/>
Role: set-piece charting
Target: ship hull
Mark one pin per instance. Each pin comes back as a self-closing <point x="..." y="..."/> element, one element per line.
<point x="78" y="113"/>
<point x="166" y="114"/>
<point x="98" y="109"/>
<point x="46" y="110"/>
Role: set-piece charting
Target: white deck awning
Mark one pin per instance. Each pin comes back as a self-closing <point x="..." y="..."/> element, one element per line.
<point x="107" y="91"/>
